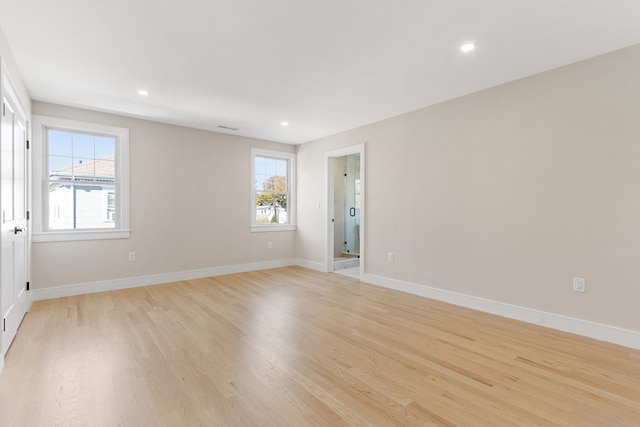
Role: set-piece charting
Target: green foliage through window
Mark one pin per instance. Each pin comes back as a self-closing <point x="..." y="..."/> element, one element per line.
<point x="271" y="189"/>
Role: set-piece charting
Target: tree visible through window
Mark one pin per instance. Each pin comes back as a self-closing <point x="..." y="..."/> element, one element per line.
<point x="271" y="190"/>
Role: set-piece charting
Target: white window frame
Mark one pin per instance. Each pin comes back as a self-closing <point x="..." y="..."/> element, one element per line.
<point x="291" y="187"/>
<point x="40" y="233"/>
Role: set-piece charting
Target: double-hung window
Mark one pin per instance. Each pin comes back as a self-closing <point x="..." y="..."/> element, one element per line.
<point x="273" y="190"/>
<point x="81" y="180"/>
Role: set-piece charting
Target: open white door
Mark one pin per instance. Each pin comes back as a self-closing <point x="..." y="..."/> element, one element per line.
<point x="13" y="208"/>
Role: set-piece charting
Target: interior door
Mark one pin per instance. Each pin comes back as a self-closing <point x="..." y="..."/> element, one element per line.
<point x="13" y="206"/>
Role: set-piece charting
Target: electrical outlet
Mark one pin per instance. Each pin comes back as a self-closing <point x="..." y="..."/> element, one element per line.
<point x="269" y="245"/>
<point x="390" y="257"/>
<point x="579" y="284"/>
<point x="132" y="256"/>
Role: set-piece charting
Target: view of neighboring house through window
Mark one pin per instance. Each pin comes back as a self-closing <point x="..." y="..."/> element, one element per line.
<point x="273" y="193"/>
<point x="82" y="180"/>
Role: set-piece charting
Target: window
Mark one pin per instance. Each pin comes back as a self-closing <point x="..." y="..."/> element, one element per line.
<point x="273" y="190"/>
<point x="81" y="174"/>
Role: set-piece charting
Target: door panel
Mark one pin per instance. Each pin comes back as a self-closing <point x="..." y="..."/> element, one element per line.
<point x="14" y="236"/>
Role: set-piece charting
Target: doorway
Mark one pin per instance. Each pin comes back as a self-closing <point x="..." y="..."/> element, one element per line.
<point x="345" y="201"/>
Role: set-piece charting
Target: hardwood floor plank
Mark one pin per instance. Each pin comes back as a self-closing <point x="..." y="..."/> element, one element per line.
<point x="295" y="347"/>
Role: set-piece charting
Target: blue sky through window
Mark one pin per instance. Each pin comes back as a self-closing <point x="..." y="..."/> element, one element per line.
<point x="266" y="167"/>
<point x="67" y="149"/>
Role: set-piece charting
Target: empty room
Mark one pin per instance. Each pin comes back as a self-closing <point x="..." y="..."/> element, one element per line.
<point x="320" y="213"/>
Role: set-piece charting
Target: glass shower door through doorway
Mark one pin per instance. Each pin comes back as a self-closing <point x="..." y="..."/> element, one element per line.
<point x="352" y="205"/>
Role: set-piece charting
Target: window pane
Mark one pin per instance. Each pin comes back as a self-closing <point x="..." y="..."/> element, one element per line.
<point x="275" y="183"/>
<point x="271" y="174"/>
<point x="105" y="147"/>
<point x="81" y="206"/>
<point x="92" y="206"/>
<point x="271" y="207"/>
<point x="270" y="167"/>
<point x="281" y="167"/>
<point x="260" y="180"/>
<point x="105" y="170"/>
<point x="260" y="165"/>
<point x="83" y="169"/>
<point x="83" y="145"/>
<point x="59" y="143"/>
<point x="60" y="206"/>
<point x="60" y="167"/>
<point x="263" y="207"/>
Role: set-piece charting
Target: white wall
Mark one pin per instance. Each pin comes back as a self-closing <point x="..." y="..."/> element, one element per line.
<point x="507" y="193"/>
<point x="190" y="208"/>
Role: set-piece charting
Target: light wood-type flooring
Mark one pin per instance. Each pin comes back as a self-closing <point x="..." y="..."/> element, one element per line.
<point x="294" y="347"/>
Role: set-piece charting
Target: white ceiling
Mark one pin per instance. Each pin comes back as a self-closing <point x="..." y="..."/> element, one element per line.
<point x="322" y="66"/>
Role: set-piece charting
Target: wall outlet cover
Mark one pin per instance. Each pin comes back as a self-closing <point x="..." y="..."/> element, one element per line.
<point x="579" y="284"/>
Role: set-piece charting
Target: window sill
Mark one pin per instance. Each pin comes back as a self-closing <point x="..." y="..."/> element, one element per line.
<point x="263" y="228"/>
<point x="66" y="236"/>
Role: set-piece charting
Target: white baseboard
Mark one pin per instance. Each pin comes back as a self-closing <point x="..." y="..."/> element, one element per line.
<point x="156" y="279"/>
<point x="312" y="265"/>
<point x="612" y="334"/>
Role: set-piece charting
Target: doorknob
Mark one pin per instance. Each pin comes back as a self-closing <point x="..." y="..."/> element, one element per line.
<point x="17" y="230"/>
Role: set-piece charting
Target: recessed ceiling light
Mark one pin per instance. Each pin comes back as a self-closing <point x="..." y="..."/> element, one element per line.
<point x="142" y="92"/>
<point x="467" y="47"/>
<point x="284" y="124"/>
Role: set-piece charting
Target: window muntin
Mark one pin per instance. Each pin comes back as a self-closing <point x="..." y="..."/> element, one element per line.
<point x="273" y="204"/>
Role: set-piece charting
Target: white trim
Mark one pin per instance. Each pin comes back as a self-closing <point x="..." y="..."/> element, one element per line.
<point x="311" y="265"/>
<point x="1" y="362"/>
<point x="328" y="196"/>
<point x="272" y="227"/>
<point x="65" y="236"/>
<point x="612" y="334"/>
<point x="156" y="279"/>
